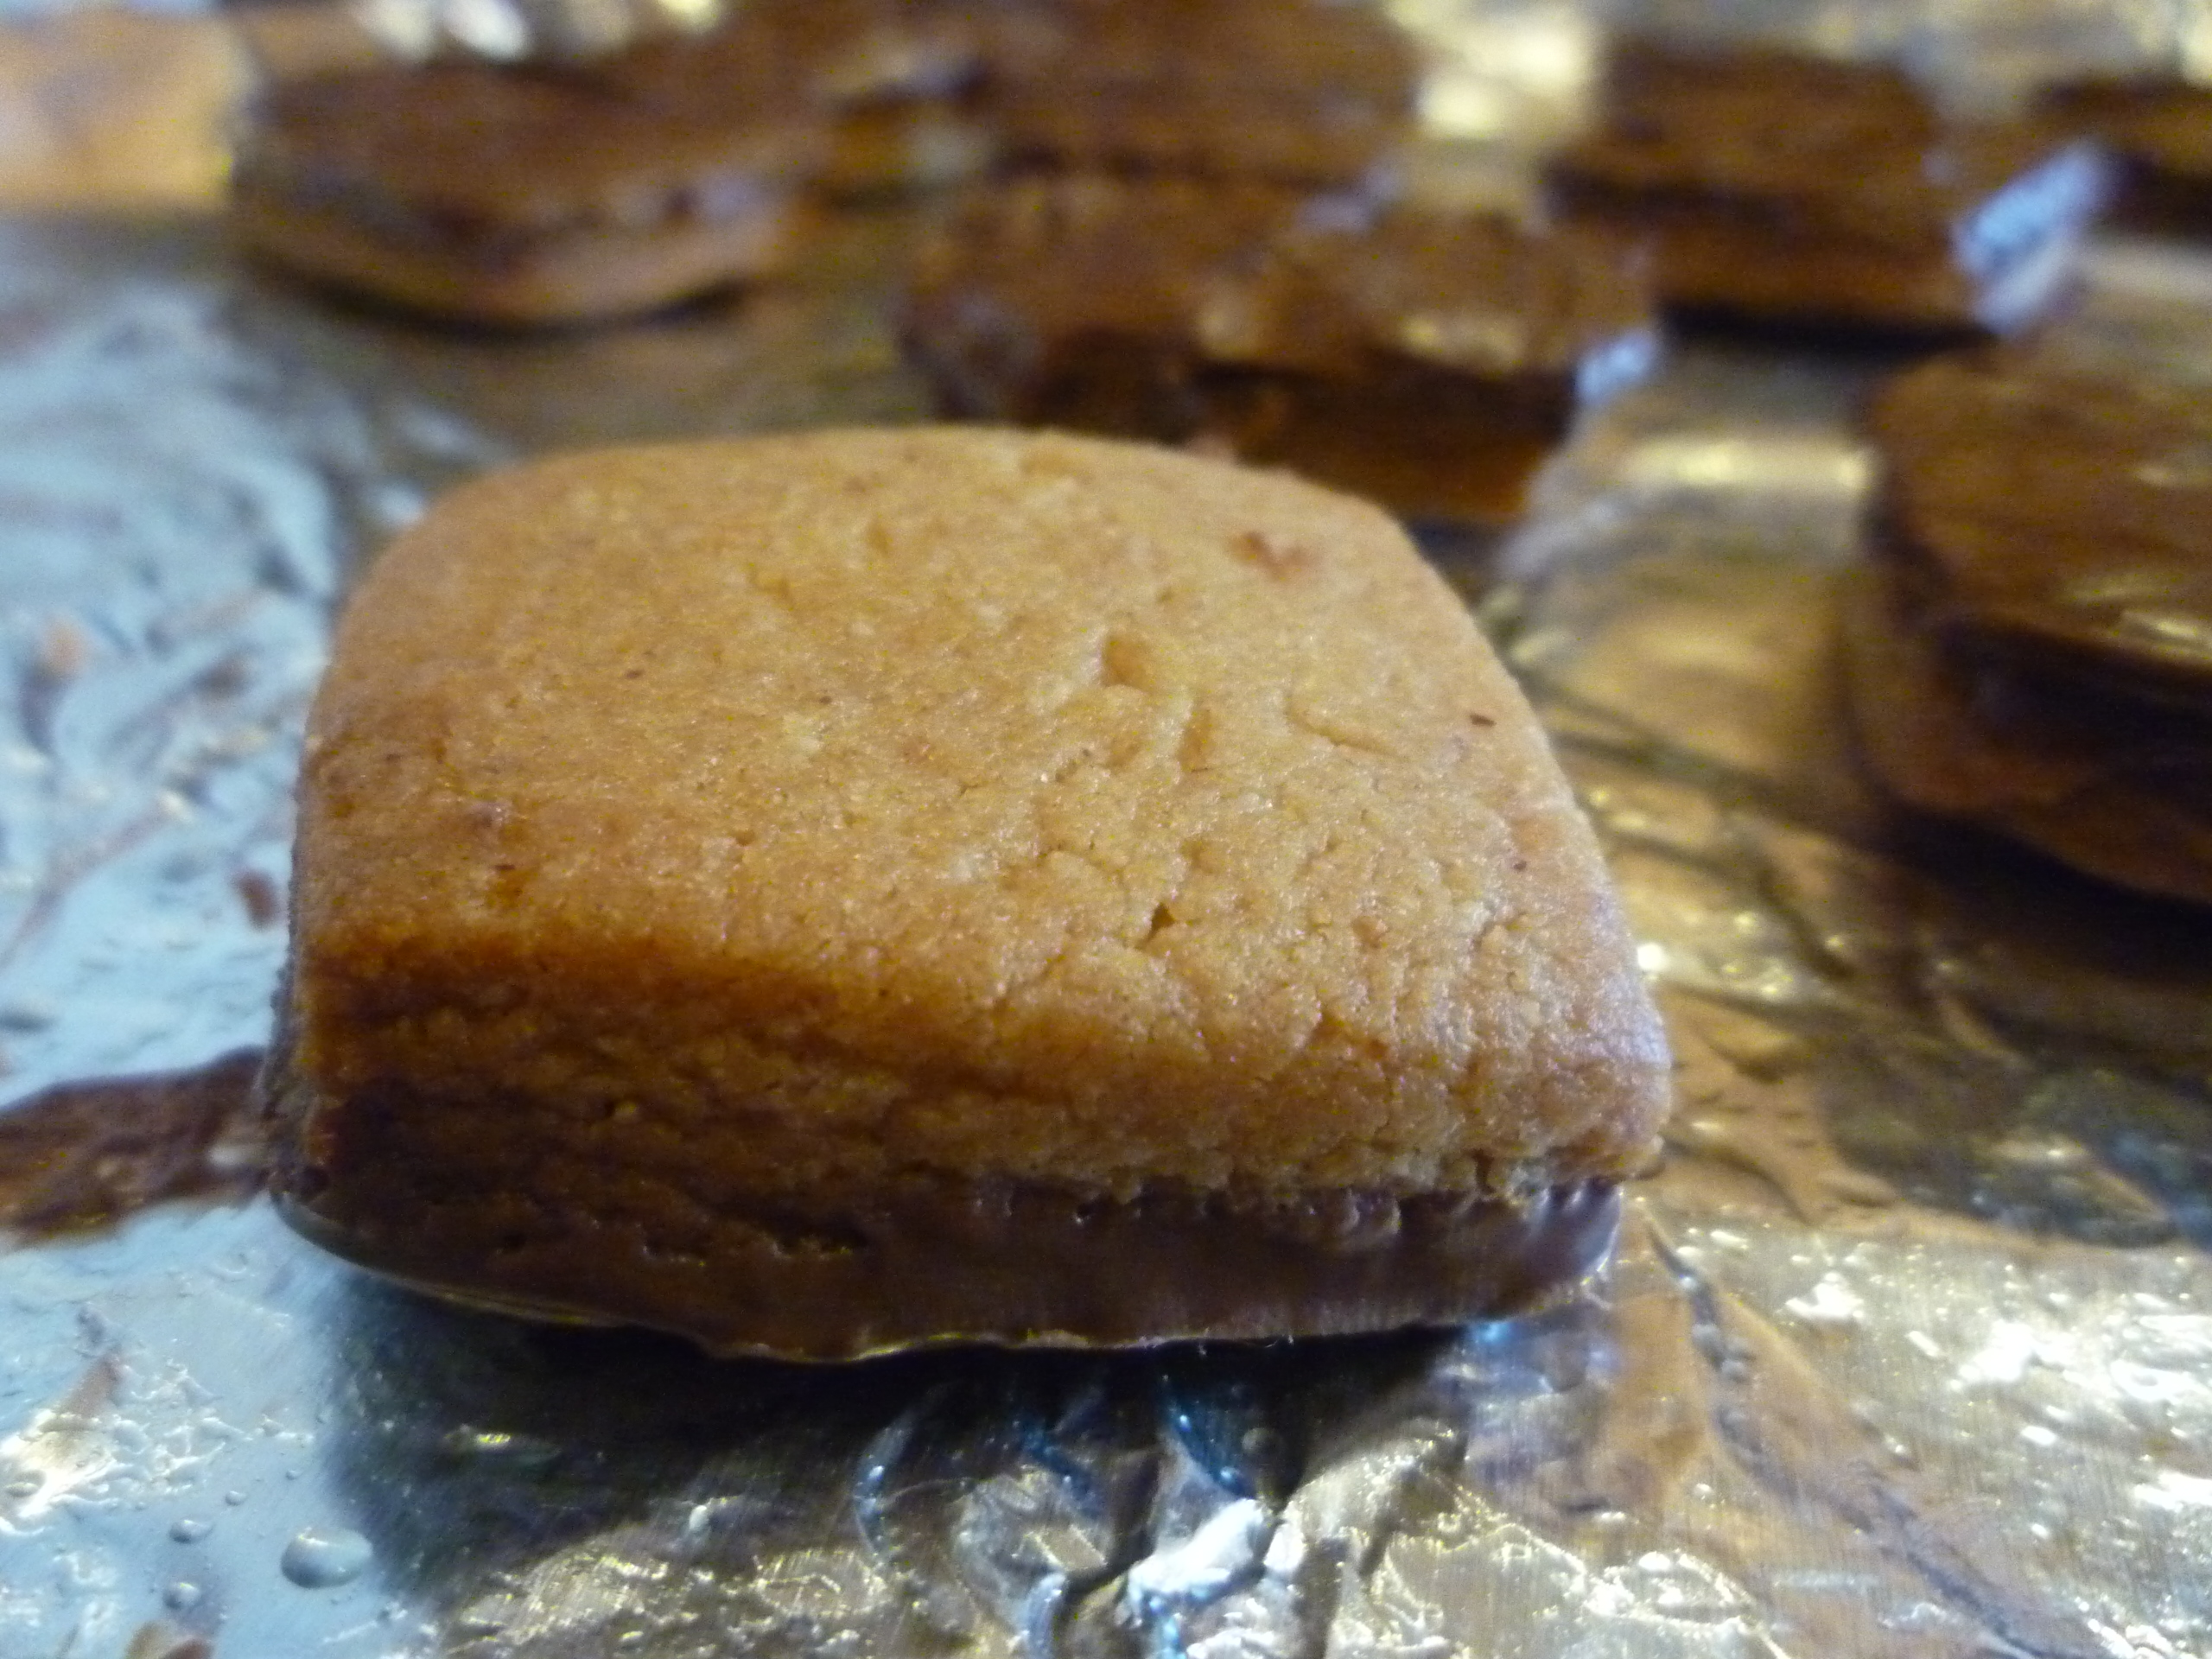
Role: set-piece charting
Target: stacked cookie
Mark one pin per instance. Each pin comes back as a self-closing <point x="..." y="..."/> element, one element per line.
<point x="546" y="191"/>
<point x="1203" y="245"/>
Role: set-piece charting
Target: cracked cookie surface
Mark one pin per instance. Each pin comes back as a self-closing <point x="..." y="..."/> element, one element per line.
<point x="825" y="814"/>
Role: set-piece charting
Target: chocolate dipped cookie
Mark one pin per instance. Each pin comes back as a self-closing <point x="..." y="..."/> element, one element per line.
<point x="2030" y="649"/>
<point x="1783" y="189"/>
<point x="829" y="893"/>
<point x="894" y="85"/>
<point x="513" y="194"/>
<point x="1428" y="358"/>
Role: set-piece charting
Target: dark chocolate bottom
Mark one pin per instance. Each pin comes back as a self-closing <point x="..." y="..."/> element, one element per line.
<point x="935" y="1260"/>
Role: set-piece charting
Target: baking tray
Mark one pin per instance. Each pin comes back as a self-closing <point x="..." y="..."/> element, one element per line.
<point x="1908" y="1347"/>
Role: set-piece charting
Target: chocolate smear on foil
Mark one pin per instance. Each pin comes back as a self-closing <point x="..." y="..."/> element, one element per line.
<point x="84" y="1155"/>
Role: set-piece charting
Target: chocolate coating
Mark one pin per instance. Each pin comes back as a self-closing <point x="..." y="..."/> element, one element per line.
<point x="2115" y="797"/>
<point x="83" y="1154"/>
<point x="475" y="152"/>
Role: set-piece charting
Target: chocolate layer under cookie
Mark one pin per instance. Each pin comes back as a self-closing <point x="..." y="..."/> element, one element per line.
<point x="2032" y="647"/>
<point x="1784" y="189"/>
<point x="544" y="1228"/>
<point x="1428" y="359"/>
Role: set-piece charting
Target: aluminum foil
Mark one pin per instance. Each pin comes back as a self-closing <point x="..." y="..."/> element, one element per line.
<point x="1907" y="1350"/>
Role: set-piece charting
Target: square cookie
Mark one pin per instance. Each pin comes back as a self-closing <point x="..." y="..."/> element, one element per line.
<point x="826" y="893"/>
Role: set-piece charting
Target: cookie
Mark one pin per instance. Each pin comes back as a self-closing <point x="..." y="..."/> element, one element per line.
<point x="895" y="85"/>
<point x="827" y="894"/>
<point x="505" y="194"/>
<point x="1430" y="359"/>
<point x="1301" y="92"/>
<point x="2160" y="129"/>
<point x="1788" y="190"/>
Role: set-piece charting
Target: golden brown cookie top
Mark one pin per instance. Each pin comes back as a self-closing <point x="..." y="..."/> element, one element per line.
<point x="1180" y="802"/>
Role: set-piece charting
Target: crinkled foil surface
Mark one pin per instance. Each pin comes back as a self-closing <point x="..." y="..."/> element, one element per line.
<point x="1907" y="1350"/>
